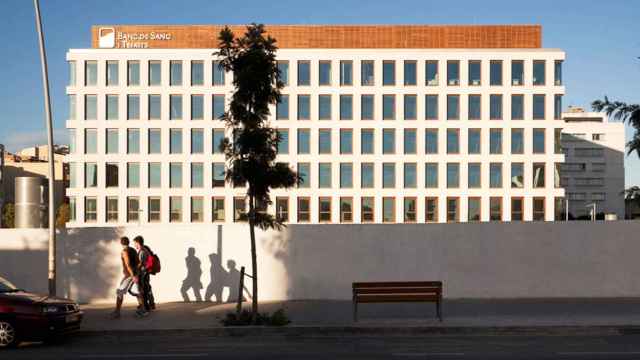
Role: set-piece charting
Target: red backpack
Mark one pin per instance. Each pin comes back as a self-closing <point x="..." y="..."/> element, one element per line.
<point x="153" y="262"/>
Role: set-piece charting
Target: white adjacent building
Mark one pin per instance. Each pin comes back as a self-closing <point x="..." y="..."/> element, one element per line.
<point x="401" y="124"/>
<point x="593" y="172"/>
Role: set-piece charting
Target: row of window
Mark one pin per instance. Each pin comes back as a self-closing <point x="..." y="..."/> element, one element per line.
<point x="324" y="141"/>
<point x="303" y="110"/>
<point x="324" y="209"/>
<point x="577" y="137"/>
<point x="583" y="196"/>
<point x="324" y="73"/>
<point x="325" y="171"/>
<point x="582" y="167"/>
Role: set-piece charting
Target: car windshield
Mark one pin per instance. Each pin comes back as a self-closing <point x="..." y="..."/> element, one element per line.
<point x="6" y="286"/>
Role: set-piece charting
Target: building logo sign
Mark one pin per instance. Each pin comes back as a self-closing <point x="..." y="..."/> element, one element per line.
<point x="109" y="38"/>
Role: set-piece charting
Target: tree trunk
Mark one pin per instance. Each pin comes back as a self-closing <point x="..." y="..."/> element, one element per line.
<point x="254" y="260"/>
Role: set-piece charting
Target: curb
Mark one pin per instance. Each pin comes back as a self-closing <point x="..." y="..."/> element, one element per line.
<point x="311" y="331"/>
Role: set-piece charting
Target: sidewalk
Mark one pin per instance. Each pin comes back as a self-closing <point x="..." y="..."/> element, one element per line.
<point x="325" y="316"/>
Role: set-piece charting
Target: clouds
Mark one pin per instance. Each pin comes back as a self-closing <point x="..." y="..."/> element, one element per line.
<point x="18" y="140"/>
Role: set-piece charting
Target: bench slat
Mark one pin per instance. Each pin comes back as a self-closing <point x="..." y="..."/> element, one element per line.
<point x="398" y="284"/>
<point x="396" y="298"/>
<point x="396" y="290"/>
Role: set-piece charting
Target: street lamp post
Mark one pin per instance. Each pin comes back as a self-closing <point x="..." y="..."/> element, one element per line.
<point x="47" y="108"/>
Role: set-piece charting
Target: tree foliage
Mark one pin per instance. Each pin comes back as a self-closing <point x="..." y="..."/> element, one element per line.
<point x="8" y="215"/>
<point x="621" y="111"/>
<point x="63" y="214"/>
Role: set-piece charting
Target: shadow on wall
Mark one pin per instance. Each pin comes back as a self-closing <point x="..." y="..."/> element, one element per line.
<point x="219" y="276"/>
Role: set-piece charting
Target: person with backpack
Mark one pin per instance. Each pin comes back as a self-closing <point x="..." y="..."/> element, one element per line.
<point x="149" y="264"/>
<point x="130" y="282"/>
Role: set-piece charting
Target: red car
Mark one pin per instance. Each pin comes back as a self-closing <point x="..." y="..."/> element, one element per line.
<point x="26" y="316"/>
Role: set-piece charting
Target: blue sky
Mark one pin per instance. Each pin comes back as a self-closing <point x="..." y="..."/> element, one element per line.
<point x="601" y="40"/>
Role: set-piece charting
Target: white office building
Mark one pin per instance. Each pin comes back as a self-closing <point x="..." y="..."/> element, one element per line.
<point x="386" y="124"/>
<point x="593" y="172"/>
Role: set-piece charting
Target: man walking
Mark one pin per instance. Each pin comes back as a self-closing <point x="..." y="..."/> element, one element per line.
<point x="130" y="281"/>
<point x="144" y="254"/>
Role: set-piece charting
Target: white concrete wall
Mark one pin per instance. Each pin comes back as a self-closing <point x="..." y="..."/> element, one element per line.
<point x="483" y="260"/>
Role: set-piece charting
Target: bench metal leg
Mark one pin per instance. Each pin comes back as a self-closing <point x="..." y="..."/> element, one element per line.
<point x="355" y="311"/>
<point x="439" y="310"/>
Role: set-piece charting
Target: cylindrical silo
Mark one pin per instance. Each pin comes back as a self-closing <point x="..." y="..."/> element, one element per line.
<point x="31" y="195"/>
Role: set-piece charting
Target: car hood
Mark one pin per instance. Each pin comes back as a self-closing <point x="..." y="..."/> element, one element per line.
<point x="27" y="297"/>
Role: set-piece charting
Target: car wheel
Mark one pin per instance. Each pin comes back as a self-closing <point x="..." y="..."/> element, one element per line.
<point x="8" y="336"/>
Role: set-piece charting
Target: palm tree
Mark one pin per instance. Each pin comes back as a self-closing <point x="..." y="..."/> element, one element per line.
<point x="252" y="152"/>
<point x="628" y="113"/>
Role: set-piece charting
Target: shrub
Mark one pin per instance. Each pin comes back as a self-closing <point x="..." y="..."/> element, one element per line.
<point x="278" y="318"/>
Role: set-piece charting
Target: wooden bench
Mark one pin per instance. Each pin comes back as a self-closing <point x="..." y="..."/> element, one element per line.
<point x="390" y="292"/>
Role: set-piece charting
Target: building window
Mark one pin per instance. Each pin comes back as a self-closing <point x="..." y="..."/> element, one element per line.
<point x="283" y="141"/>
<point x="538" y="209"/>
<point x="366" y="107"/>
<point x="495" y="209"/>
<point x="517" y="175"/>
<point x="304" y="172"/>
<point x="559" y="209"/>
<point x="495" y="175"/>
<point x="304" y="107"/>
<point x="282" y="108"/>
<point x="133" y="209"/>
<point x="346" y="107"/>
<point x="557" y="107"/>
<point x="217" y="204"/>
<point x="90" y="209"/>
<point x="453" y="175"/>
<point x="410" y="72"/>
<point x="431" y="141"/>
<point x="155" y="107"/>
<point x="453" y="209"/>
<point x="175" y="209"/>
<point x="589" y="152"/>
<point x="112" y="107"/>
<point x="133" y="73"/>
<point x="366" y="141"/>
<point x="538" y="72"/>
<point x="112" y="73"/>
<point x="495" y="107"/>
<point x="495" y="141"/>
<point x="324" y="175"/>
<point x="474" y="175"/>
<point x="218" y="174"/>
<point x="410" y="107"/>
<point x="517" y="141"/>
<point x="283" y="72"/>
<point x="155" y="73"/>
<point x="155" y="175"/>
<point x="475" y="107"/>
<point x="197" y="175"/>
<point x="556" y="175"/>
<point x="388" y="72"/>
<point x="239" y="208"/>
<point x="557" y="72"/>
<point x="73" y="175"/>
<point x="197" y="209"/>
<point x="453" y="141"/>
<point x="346" y="175"/>
<point x="367" y="73"/>
<point x="304" y="73"/>
<point x="133" y="175"/>
<point x="154" y="209"/>
<point x="453" y="107"/>
<point x="155" y="143"/>
<point x="495" y="72"/>
<point x="538" y="141"/>
<point x="175" y="175"/>
<point x="90" y="73"/>
<point x="175" y="141"/>
<point x="409" y="210"/>
<point x="197" y="73"/>
<point x="197" y="107"/>
<point x="431" y="72"/>
<point x="431" y="175"/>
<point x="304" y="210"/>
<point x="324" y="209"/>
<point x="324" y="73"/>
<point x="474" y="73"/>
<point x="324" y="141"/>
<point x="346" y="209"/>
<point x="72" y="107"/>
<point x="388" y="209"/>
<point x="388" y="175"/>
<point x="197" y="141"/>
<point x="282" y="209"/>
<point x="217" y="141"/>
<point x="453" y="73"/>
<point x="410" y="175"/>
<point x="218" y="73"/>
<point x="431" y="209"/>
<point x="388" y="107"/>
<point x="388" y="141"/>
<point x="410" y="146"/>
<point x="72" y="141"/>
<point x="538" y="107"/>
<point x="90" y="175"/>
<point x="517" y="72"/>
<point x="346" y="141"/>
<point x="324" y="107"/>
<point x="175" y="102"/>
<point x="517" y="107"/>
<point x="112" y="141"/>
<point x="175" y="73"/>
<point x="90" y="141"/>
<point x="367" y="207"/>
<point x="538" y="175"/>
<point x="473" y="209"/>
<point x="474" y="141"/>
<point x="431" y="107"/>
<point x="516" y="209"/>
<point x="217" y="108"/>
<point x="72" y="73"/>
<point x="346" y="73"/>
<point x="303" y="143"/>
<point x="133" y="107"/>
<point x="366" y="175"/>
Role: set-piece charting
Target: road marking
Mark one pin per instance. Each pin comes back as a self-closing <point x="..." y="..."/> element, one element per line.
<point x="604" y="353"/>
<point x="425" y="354"/>
<point x="129" y="356"/>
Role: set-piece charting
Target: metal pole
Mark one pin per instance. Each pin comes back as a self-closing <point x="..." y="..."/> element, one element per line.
<point x="240" y="294"/>
<point x="47" y="108"/>
<point x="566" y="212"/>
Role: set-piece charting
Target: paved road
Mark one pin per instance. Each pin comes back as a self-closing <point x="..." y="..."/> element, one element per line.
<point x="189" y="345"/>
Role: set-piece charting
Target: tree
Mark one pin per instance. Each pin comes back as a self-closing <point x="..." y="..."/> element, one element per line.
<point x="63" y="214"/>
<point x="8" y="215"/>
<point x="252" y="153"/>
<point x="628" y="113"/>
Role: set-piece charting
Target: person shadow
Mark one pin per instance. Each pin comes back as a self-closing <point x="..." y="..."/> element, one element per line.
<point x="194" y="273"/>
